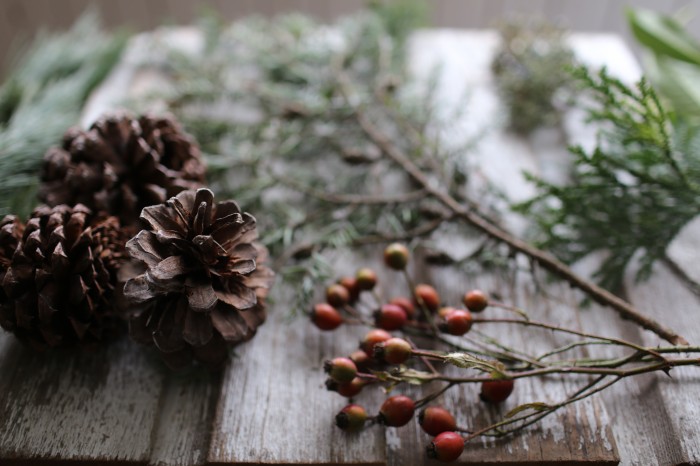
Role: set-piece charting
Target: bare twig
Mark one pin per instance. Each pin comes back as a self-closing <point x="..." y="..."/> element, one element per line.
<point x="476" y="220"/>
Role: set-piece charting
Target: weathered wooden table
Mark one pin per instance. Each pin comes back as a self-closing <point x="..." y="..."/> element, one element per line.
<point x="119" y="406"/>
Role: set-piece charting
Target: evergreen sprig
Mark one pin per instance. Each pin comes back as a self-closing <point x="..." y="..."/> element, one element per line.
<point x="632" y="193"/>
<point x="530" y="74"/>
<point x="42" y="97"/>
<point x="265" y="103"/>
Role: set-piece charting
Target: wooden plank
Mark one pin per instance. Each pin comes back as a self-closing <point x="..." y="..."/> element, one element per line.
<point x="274" y="407"/>
<point x="581" y="433"/>
<point x="100" y="406"/>
<point x="665" y="297"/>
<point x="185" y="416"/>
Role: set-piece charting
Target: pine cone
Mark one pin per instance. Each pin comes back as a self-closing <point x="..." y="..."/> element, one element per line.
<point x="57" y="274"/>
<point x="121" y="165"/>
<point x="205" y="282"/>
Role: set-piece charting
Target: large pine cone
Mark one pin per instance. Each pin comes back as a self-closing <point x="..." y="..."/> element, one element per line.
<point x="120" y="165"/>
<point x="205" y="282"/>
<point x="58" y="280"/>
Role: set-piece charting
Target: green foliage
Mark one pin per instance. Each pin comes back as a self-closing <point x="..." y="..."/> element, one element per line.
<point x="632" y="193"/>
<point x="42" y="97"/>
<point x="530" y="69"/>
<point x="266" y="103"/>
<point x="673" y="63"/>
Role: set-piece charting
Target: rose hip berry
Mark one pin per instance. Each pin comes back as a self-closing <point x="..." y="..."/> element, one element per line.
<point x="393" y="351"/>
<point x="428" y="295"/>
<point x="443" y="311"/>
<point x="396" y="411"/>
<point x="475" y="300"/>
<point x="348" y="389"/>
<point x="496" y="391"/>
<point x="361" y="360"/>
<point x="366" y="279"/>
<point x="390" y="317"/>
<point x="435" y="420"/>
<point x="406" y="305"/>
<point x="350" y="284"/>
<point x="337" y="295"/>
<point x="342" y="370"/>
<point x="458" y="322"/>
<point x="325" y="317"/>
<point x="372" y="338"/>
<point x="396" y="256"/>
<point x="446" y="447"/>
<point x="351" y="418"/>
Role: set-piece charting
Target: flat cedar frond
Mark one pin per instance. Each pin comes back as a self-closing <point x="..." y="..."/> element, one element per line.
<point x="633" y="192"/>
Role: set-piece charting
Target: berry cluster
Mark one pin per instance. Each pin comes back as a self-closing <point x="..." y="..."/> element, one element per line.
<point x="381" y="352"/>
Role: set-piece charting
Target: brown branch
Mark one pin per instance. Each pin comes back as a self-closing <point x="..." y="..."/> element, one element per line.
<point x="471" y="216"/>
<point x="352" y="199"/>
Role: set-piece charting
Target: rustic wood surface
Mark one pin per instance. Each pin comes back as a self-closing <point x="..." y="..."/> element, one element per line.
<point x="269" y="406"/>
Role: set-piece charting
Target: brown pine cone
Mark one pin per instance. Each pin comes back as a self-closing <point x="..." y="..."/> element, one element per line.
<point x="205" y="281"/>
<point x="120" y="165"/>
<point x="58" y="282"/>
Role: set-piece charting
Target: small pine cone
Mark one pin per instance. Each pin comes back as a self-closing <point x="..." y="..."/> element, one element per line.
<point x="205" y="281"/>
<point x="57" y="284"/>
<point x="121" y="165"/>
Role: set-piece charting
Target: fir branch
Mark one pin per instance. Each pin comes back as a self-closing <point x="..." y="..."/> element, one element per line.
<point x="638" y="185"/>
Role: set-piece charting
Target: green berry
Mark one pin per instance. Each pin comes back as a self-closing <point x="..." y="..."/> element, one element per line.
<point x="351" y="418"/>
<point x="396" y="256"/>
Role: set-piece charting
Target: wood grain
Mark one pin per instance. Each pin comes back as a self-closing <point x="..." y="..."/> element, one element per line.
<point x="100" y="406"/>
<point x="274" y="407"/>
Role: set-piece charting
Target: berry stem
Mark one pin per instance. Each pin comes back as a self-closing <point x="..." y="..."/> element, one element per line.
<point x="423" y="359"/>
<point x="556" y="328"/>
<point x="421" y="304"/>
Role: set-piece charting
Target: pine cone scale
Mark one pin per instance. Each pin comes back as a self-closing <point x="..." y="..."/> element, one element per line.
<point x="198" y="329"/>
<point x="158" y="218"/>
<point x="201" y="297"/>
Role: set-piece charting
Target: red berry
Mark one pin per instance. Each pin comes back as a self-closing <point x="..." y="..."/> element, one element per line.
<point x="337" y="295"/>
<point x="496" y="391"/>
<point x="475" y="300"/>
<point x="428" y="295"/>
<point x="341" y="370"/>
<point x="361" y="360"/>
<point x="393" y="351"/>
<point x="446" y="447"/>
<point x="458" y="322"/>
<point x="435" y="420"/>
<point x="443" y="311"/>
<point x="406" y="305"/>
<point x="351" y="388"/>
<point x="372" y="338"/>
<point x="390" y="317"/>
<point x="366" y="279"/>
<point x="396" y="411"/>
<point x="325" y="317"/>
<point x="396" y="256"/>
<point x="350" y="284"/>
<point x="351" y="418"/>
